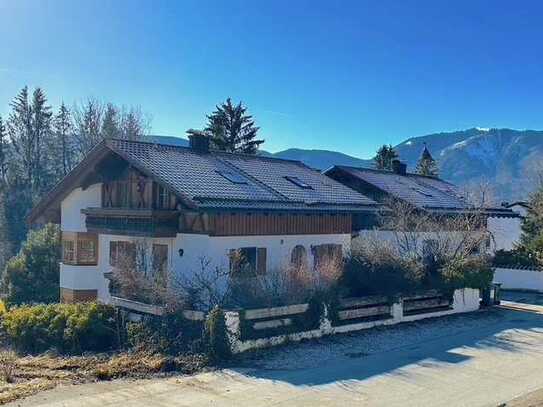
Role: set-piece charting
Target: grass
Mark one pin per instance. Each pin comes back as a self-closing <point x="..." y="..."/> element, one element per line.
<point x="27" y="375"/>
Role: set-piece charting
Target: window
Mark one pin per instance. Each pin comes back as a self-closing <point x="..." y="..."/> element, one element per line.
<point x="68" y="251"/>
<point x="121" y="253"/>
<point x="79" y="248"/>
<point x="247" y="261"/>
<point x="233" y="177"/>
<point x="327" y="255"/>
<point x="86" y="251"/>
<point x="163" y="197"/>
<point x="424" y="193"/>
<point x="298" y="258"/>
<point x="160" y="257"/>
<point x="299" y="182"/>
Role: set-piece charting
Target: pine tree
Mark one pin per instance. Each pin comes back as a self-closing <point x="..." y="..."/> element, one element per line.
<point x="132" y="125"/>
<point x="232" y="129"/>
<point x="384" y="157"/>
<point x="426" y="164"/>
<point x="21" y="136"/>
<point x="532" y="226"/>
<point x="110" y="124"/>
<point x="64" y="148"/>
<point x="41" y="127"/>
<point x="3" y="155"/>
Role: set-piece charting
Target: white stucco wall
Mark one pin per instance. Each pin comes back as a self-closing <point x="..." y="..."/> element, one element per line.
<point x="392" y="238"/>
<point x="216" y="249"/>
<point x="71" y="218"/>
<point x="84" y="278"/>
<point x="505" y="232"/>
<point x="516" y="279"/>
<point x="197" y="248"/>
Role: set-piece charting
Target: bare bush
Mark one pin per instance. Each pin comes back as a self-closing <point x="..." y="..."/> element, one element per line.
<point x="416" y="234"/>
<point x="139" y="276"/>
<point x="204" y="288"/>
<point x="416" y="249"/>
<point x="8" y="363"/>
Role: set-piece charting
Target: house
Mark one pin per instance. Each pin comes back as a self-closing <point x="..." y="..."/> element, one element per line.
<point x="193" y="206"/>
<point x="428" y="194"/>
<point x="520" y="207"/>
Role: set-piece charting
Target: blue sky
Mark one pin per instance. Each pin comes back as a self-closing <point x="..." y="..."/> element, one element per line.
<point x="346" y="75"/>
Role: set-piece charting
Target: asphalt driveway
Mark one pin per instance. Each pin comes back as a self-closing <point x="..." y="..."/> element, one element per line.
<point x="481" y="359"/>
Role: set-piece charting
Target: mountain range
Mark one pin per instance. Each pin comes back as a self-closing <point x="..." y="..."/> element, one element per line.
<point x="508" y="162"/>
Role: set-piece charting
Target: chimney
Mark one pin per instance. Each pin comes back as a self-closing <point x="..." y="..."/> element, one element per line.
<point x="399" y="168"/>
<point x="199" y="142"/>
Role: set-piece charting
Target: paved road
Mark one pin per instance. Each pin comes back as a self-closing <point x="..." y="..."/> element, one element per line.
<point x="480" y="360"/>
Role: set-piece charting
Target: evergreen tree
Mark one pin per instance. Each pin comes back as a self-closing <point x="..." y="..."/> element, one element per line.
<point x="21" y="136"/>
<point x="3" y="154"/>
<point x="426" y="164"/>
<point x="88" y="125"/>
<point x="132" y="126"/>
<point x="232" y="129"/>
<point x="532" y="226"/>
<point x="41" y="129"/>
<point x="33" y="275"/>
<point x="64" y="145"/>
<point x="110" y="124"/>
<point x="384" y="157"/>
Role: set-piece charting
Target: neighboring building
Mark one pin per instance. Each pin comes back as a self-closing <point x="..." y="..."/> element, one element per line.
<point x="193" y="206"/>
<point x="428" y="194"/>
<point x="520" y="207"/>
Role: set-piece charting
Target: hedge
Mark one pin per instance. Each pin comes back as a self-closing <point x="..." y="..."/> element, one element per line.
<point x="68" y="328"/>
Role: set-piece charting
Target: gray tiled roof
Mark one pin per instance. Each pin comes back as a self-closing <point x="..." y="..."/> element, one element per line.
<point x="418" y="190"/>
<point x="197" y="177"/>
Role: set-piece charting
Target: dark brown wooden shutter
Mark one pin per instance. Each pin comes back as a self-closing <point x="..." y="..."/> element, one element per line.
<point x="261" y="260"/>
<point x="112" y="253"/>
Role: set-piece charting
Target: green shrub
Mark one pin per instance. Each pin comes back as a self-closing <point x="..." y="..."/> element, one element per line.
<point x="515" y="258"/>
<point x="361" y="277"/>
<point x="473" y="272"/>
<point x="217" y="340"/>
<point x="33" y="275"/>
<point x="171" y="334"/>
<point x="70" y="328"/>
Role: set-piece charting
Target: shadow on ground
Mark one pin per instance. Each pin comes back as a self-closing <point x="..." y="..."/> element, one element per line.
<point x="445" y="342"/>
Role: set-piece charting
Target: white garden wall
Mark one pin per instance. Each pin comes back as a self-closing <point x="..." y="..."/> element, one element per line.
<point x="505" y="232"/>
<point x="519" y="279"/>
<point x="466" y="300"/>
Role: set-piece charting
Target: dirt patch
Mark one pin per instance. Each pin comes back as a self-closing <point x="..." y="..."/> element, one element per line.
<point x="22" y="376"/>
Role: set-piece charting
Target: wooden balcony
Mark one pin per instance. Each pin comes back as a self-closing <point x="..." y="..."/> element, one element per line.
<point x="132" y="222"/>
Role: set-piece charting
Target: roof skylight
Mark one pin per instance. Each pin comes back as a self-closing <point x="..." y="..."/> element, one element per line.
<point x="297" y="181"/>
<point x="233" y="177"/>
<point x="420" y="191"/>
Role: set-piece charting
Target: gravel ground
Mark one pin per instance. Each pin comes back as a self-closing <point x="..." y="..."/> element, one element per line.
<point x="317" y="352"/>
